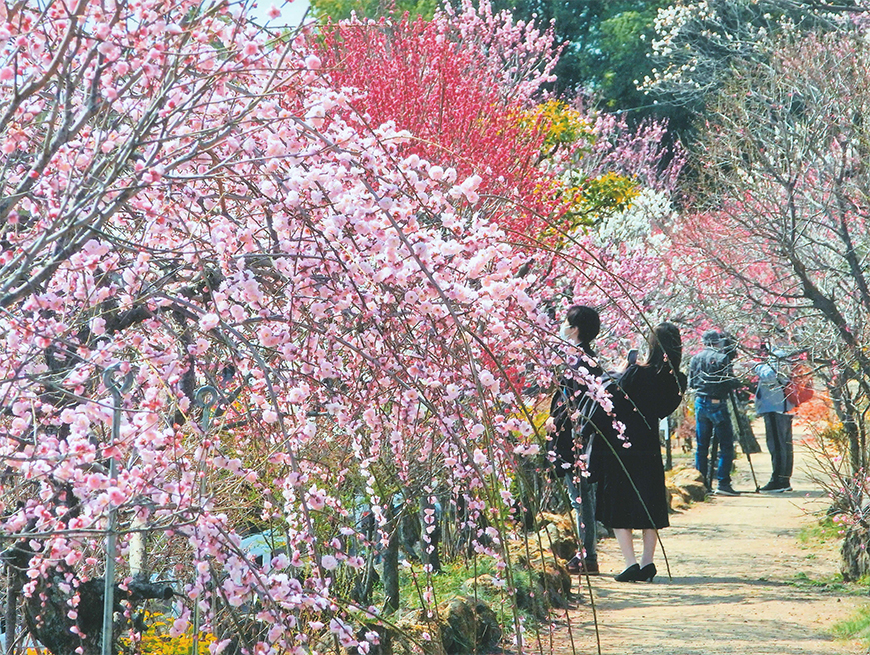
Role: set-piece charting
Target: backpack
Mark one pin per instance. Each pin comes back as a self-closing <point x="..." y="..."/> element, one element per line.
<point x="799" y="387"/>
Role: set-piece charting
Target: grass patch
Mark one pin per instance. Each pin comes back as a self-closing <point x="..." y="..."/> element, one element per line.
<point x="821" y="532"/>
<point x="857" y="627"/>
<point x="832" y="583"/>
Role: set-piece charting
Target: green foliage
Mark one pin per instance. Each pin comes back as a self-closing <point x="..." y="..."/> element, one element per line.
<point x="608" y="193"/>
<point x="857" y="627"/>
<point x="562" y="125"/>
<point x="624" y="39"/>
<point x="340" y="9"/>
<point x="607" y="44"/>
<point x="586" y="198"/>
<point x="821" y="532"/>
<point x="592" y="198"/>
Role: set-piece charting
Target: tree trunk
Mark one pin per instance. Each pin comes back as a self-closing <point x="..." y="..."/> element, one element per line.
<point x="391" y="565"/>
<point x="11" y="614"/>
<point x="846" y="411"/>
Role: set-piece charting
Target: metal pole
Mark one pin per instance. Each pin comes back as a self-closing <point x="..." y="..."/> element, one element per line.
<point x="206" y="396"/>
<point x="12" y="591"/>
<point x="109" y="590"/>
<point x="665" y="426"/>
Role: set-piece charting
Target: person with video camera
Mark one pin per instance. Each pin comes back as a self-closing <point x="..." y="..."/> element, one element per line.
<point x="711" y="376"/>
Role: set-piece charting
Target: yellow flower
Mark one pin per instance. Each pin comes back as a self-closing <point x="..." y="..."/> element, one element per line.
<point x="561" y="124"/>
<point x="156" y="640"/>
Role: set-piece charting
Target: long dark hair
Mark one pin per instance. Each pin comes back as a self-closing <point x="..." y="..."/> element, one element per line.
<point x="665" y="347"/>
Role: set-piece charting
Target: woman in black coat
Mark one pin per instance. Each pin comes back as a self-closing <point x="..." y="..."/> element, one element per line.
<point x="631" y="479"/>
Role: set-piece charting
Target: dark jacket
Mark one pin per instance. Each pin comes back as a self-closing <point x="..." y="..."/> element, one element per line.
<point x="711" y="374"/>
<point x="631" y="481"/>
<point x="566" y="403"/>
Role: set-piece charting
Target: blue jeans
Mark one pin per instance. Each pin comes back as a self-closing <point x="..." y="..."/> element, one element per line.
<point x="583" y="501"/>
<point x="712" y="417"/>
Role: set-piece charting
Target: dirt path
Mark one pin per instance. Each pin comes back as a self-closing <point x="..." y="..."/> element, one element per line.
<point x="734" y="563"/>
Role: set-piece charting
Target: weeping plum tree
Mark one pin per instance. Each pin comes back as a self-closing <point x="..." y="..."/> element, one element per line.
<point x="194" y="203"/>
<point x="462" y="85"/>
<point x="103" y="109"/>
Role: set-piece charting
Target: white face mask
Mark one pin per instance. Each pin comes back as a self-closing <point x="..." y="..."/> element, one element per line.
<point x="569" y="333"/>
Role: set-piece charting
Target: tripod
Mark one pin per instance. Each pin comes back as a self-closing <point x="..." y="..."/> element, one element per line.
<point x="744" y="435"/>
<point x="711" y="465"/>
<point x="748" y="443"/>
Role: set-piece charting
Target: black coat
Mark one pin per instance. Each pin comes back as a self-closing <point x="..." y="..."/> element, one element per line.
<point x="566" y="403"/>
<point x="641" y="398"/>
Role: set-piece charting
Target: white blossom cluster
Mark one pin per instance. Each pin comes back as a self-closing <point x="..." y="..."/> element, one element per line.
<point x="634" y="225"/>
<point x="697" y="42"/>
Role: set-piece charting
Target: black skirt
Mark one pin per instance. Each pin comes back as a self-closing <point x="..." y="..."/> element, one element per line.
<point x="643" y="504"/>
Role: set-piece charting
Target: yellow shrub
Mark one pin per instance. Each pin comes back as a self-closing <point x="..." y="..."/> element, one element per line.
<point x="157" y="641"/>
<point x="562" y="125"/>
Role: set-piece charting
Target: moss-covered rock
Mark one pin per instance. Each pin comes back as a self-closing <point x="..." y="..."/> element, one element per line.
<point x="468" y="626"/>
<point x="854" y="558"/>
<point x="416" y="635"/>
<point x="690" y="482"/>
<point x="557" y="534"/>
<point x="556" y="582"/>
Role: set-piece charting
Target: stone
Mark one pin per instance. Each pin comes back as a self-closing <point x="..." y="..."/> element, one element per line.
<point x="697" y="491"/>
<point x="560" y="538"/>
<point x="690" y="482"/>
<point x="413" y="633"/>
<point x="482" y="584"/>
<point x="854" y="558"/>
<point x="677" y="499"/>
<point x="564" y="521"/>
<point x="687" y="475"/>
<point x="468" y="626"/>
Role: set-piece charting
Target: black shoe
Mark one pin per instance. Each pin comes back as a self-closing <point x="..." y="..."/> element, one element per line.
<point x="647" y="573"/>
<point x="573" y="565"/>
<point x="726" y="490"/>
<point x="777" y="486"/>
<point x="629" y="575"/>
